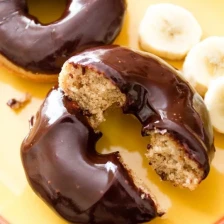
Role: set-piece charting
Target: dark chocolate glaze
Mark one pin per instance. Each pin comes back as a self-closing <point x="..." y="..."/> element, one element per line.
<point x="43" y="48"/>
<point x="63" y="167"/>
<point x="157" y="96"/>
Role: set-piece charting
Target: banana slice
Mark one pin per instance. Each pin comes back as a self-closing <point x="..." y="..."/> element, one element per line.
<point x="204" y="62"/>
<point x="214" y="100"/>
<point x="169" y="31"/>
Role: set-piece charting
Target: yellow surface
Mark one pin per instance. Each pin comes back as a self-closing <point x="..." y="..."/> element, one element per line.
<point x="20" y="205"/>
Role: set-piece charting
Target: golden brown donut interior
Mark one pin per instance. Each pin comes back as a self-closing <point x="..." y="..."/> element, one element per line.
<point x="94" y="94"/>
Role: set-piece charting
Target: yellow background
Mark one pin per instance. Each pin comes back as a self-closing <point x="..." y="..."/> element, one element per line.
<point x="20" y="205"/>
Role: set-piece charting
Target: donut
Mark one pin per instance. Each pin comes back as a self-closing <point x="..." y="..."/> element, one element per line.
<point x="59" y="155"/>
<point x="175" y="117"/>
<point x="37" y="51"/>
<point x="82" y="186"/>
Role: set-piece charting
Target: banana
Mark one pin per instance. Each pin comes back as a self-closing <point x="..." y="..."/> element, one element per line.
<point x="214" y="100"/>
<point x="204" y="62"/>
<point x="169" y="31"/>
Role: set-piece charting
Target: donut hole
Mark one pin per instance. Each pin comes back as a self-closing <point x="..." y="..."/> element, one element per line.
<point x="95" y="94"/>
<point x="46" y="11"/>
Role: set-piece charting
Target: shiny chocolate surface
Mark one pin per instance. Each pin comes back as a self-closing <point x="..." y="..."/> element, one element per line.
<point x="63" y="167"/>
<point x="157" y="96"/>
<point x="43" y="48"/>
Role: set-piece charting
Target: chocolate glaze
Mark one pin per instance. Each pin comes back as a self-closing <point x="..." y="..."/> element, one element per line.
<point x="63" y="167"/>
<point x="43" y="48"/>
<point x="157" y="96"/>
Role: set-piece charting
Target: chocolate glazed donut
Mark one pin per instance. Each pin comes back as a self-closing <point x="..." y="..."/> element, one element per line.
<point x="63" y="167"/>
<point x="170" y="111"/>
<point x="39" y="50"/>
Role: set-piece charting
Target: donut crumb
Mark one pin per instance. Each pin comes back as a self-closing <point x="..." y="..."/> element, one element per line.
<point x="17" y="104"/>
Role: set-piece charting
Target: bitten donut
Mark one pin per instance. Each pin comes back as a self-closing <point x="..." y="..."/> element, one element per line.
<point x="37" y="51"/>
<point x="59" y="155"/>
<point x="170" y="111"/>
<point x="63" y="167"/>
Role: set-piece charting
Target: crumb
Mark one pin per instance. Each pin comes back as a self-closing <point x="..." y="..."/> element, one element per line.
<point x="16" y="104"/>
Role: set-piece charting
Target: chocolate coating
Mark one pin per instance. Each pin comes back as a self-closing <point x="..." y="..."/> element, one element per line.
<point x="43" y="48"/>
<point x="63" y="167"/>
<point x="157" y="96"/>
